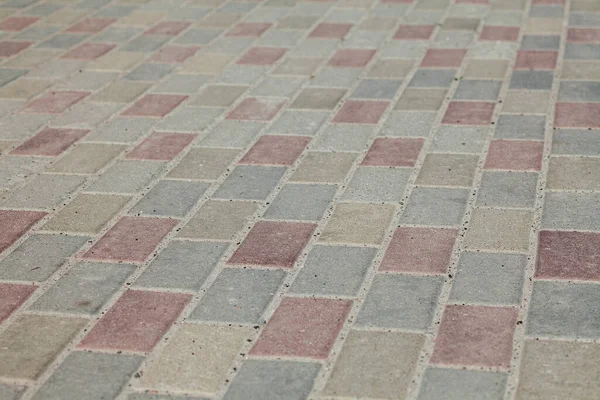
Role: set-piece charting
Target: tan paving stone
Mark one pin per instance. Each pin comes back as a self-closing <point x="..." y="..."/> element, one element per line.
<point x="358" y="223"/>
<point x="116" y="61"/>
<point x="120" y="92"/>
<point x="522" y="101"/>
<point x="448" y="170"/>
<point x="203" y="163"/>
<point x="87" y="158"/>
<point x="494" y="229"/>
<point x="219" y="220"/>
<point x="24" y="88"/>
<point x="323" y="167"/>
<point x="574" y="173"/>
<point x="204" y="63"/>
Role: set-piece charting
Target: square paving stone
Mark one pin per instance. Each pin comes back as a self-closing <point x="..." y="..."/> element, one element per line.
<point x="567" y="255"/>
<point x="391" y="69"/>
<point x="532" y="80"/>
<point x="344" y="138"/>
<point x="526" y="101"/>
<point x="575" y="141"/>
<point x="459" y="139"/>
<point x="320" y="99"/>
<point x="170" y="198"/>
<point x="301" y="202"/>
<point x="189" y="119"/>
<point x="358" y="223"/>
<point x="539" y="42"/>
<point x="376" y="184"/>
<point x="520" y="127"/>
<point x="486" y="69"/>
<point x="574" y="173"/>
<point x="571" y="211"/>
<point x="336" y="77"/>
<point x="305" y="123"/>
<point x="507" y="189"/>
<point x="376" y="89"/>
<point x="408" y="123"/>
<point x="121" y="130"/>
<point x="477" y="90"/>
<point x="448" y="170"/>
<point x="515" y="155"/>
<point x="323" y="167"/>
<point x="250" y="182"/>
<point x="44" y="192"/>
<point x="220" y="220"/>
<point x="87" y="158"/>
<point x="435" y="206"/>
<point x="421" y="99"/>
<point x="499" y="229"/>
<point x="126" y="176"/>
<point x="203" y="163"/>
<point x="453" y="384"/>
<point x="433" y="78"/>
<point x="236" y="134"/>
<point x="275" y="150"/>
<point x="282" y="87"/>
<point x="388" y="152"/>
<point x="149" y="72"/>
<point x="218" y="96"/>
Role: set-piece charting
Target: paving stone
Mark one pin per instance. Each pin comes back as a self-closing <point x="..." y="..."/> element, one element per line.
<point x="421" y="99"/>
<point x="485" y="69"/>
<point x="126" y="176"/>
<point x="520" y="127"/>
<point x="441" y="78"/>
<point x="203" y="163"/>
<point x="161" y="146"/>
<point x="403" y="123"/>
<point x="499" y="229"/>
<point x="250" y="182"/>
<point x="507" y="189"/>
<point x="477" y="90"/>
<point x="574" y="141"/>
<point x="435" y="206"/>
<point x="391" y="69"/>
<point x="569" y="210"/>
<point x="540" y="42"/>
<point x="335" y="77"/>
<point x="576" y="115"/>
<point x="448" y="170"/>
<point x="301" y="202"/>
<point x="304" y="123"/>
<point x="50" y="142"/>
<point x="453" y="384"/>
<point x="87" y="158"/>
<point x="297" y="66"/>
<point x="520" y="101"/>
<point x="354" y="223"/>
<point x="515" y="155"/>
<point x="376" y="89"/>
<point x="154" y="105"/>
<point x="532" y="80"/>
<point x="275" y="150"/>
<point x="170" y="198"/>
<point x="393" y="152"/>
<point x="459" y="139"/>
<point x="319" y="99"/>
<point x="375" y="184"/>
<point x="580" y="70"/>
<point x="256" y="109"/>
<point x="218" y="96"/>
<point x="344" y="138"/>
<point x="13" y="296"/>
<point x="44" y="192"/>
<point x="232" y="217"/>
<point x="323" y="167"/>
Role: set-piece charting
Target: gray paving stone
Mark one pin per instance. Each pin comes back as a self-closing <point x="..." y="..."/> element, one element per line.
<point x="584" y="19"/>
<point x="127" y="176"/>
<point x="533" y="80"/>
<point x="455" y="384"/>
<point x="377" y="184"/>
<point x="121" y="130"/>
<point x="550" y="11"/>
<point x="489" y="278"/>
<point x="189" y="119"/>
<point x="146" y="396"/>
<point x="477" y="90"/>
<point x="425" y="16"/>
<point x="507" y="189"/>
<point x="520" y="127"/>
<point x="335" y="77"/>
<point x="170" y="198"/>
<point x="38" y="257"/>
<point x="575" y="141"/>
<point x="540" y="42"/>
<point x="459" y="139"/>
<point x="62" y="41"/>
<point x="146" y="43"/>
<point x="149" y="72"/>
<point x="301" y="202"/>
<point x="582" y="51"/>
<point x="19" y="127"/>
<point x="44" y="9"/>
<point x="401" y="301"/>
<point x="250" y="182"/>
<point x="317" y="48"/>
<point x="363" y="39"/>
<point x="36" y="33"/>
<point x="504" y="18"/>
<point x="44" y="192"/>
<point x="299" y="122"/>
<point x="564" y="310"/>
<point x="115" y="11"/>
<point x="433" y="78"/>
<point x="236" y="134"/>
<point x="493" y="50"/>
<point x="89" y="81"/>
<point x="344" y="138"/>
<point x="408" y="124"/>
<point x="197" y="36"/>
<point x="453" y="39"/>
<point x="280" y="38"/>
<point x="182" y="265"/>
<point x="579" y="91"/>
<point x="117" y="34"/>
<point x="84" y="289"/>
<point x="334" y="271"/>
<point x="11" y="392"/>
<point x="411" y="49"/>
<point x="14" y="170"/>
<point x="280" y="87"/>
<point x="85" y="115"/>
<point x="242" y="74"/>
<point x="376" y="89"/>
<point x="239" y="296"/>
<point x="279" y="380"/>
<point x="571" y="211"/>
<point x="435" y="206"/>
<point x="91" y="376"/>
<point x="181" y="84"/>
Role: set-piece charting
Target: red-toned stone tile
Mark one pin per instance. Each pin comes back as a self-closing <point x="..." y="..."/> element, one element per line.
<point x="303" y="328"/>
<point x="536" y="59"/>
<point x="53" y="102"/>
<point x="91" y="25"/>
<point x="568" y="255"/>
<point x="361" y="112"/>
<point x="253" y="29"/>
<point x="351" y="58"/>
<point x="89" y="51"/>
<point x="10" y="48"/>
<point x="50" y="142"/>
<point x="422" y="250"/>
<point x="168" y="28"/>
<point x="517" y="155"/>
<point x="469" y="113"/>
<point x="162" y="146"/>
<point x="132" y="239"/>
<point x="256" y="109"/>
<point x="584" y="35"/>
<point x="577" y="115"/>
<point x="14" y="224"/>
<point x="137" y="321"/>
<point x="276" y="150"/>
<point x="262" y="56"/>
<point x="330" y="31"/>
<point x="12" y="296"/>
<point x="444" y="58"/>
<point x="392" y="152"/>
<point x="273" y="244"/>
<point x="15" y="24"/>
<point x="500" y="33"/>
<point x="475" y="335"/>
<point x="174" y="54"/>
<point x="414" y="32"/>
<point x="155" y="105"/>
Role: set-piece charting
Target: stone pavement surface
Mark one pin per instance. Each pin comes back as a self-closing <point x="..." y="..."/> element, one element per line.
<point x="291" y="199"/>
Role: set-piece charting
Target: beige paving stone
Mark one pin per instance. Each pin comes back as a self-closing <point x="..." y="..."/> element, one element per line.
<point x="496" y="229"/>
<point x="196" y="358"/>
<point x="358" y="223"/>
<point x="523" y="101"/>
<point x="537" y="26"/>
<point x="120" y="92"/>
<point x="421" y="99"/>
<point x="87" y="213"/>
<point x="87" y="158"/>
<point x="218" y="96"/>
<point x="391" y="68"/>
<point x="327" y="167"/>
<point x="140" y="17"/>
<point x="581" y="173"/>
<point x="582" y="70"/>
<point x="375" y="365"/>
<point x="116" y="61"/>
<point x="378" y="24"/>
<point x="203" y="163"/>
<point x="63" y="17"/>
<point x="205" y="63"/>
<point x="219" y="220"/>
<point x="32" y="342"/>
<point x="486" y="69"/>
<point x="24" y="88"/>
<point x="31" y="58"/>
<point x="297" y="66"/>
<point x="448" y="170"/>
<point x="221" y="20"/>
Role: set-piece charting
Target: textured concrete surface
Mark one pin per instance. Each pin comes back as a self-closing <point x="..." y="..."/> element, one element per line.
<point x="299" y="199"/>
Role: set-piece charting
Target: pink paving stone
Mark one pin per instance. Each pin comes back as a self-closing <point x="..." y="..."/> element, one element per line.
<point x="361" y="112"/>
<point x="392" y="152"/>
<point x="444" y="58"/>
<point x="536" y="59"/>
<point x="162" y="146"/>
<point x="91" y="25"/>
<point x="12" y="296"/>
<point x="583" y="35"/>
<point x="155" y="105"/>
<point x="256" y="109"/>
<point x="568" y="255"/>
<point x="469" y="113"/>
<point x="50" y="142"/>
<point x="302" y="327"/>
<point x="174" y="54"/>
<point x="89" y="51"/>
<point x="351" y="58"/>
<point x="53" y="102"/>
<point x="577" y="115"/>
<point x="132" y="239"/>
<point x="276" y="150"/>
<point x="422" y="250"/>
<point x="273" y="244"/>
<point x="16" y="24"/>
<point x="475" y="335"/>
<point x="330" y="31"/>
<point x="262" y="56"/>
<point x="414" y="32"/>
<point x="252" y="29"/>
<point x="10" y="48"/>
<point x="500" y="33"/>
<point x="14" y="224"/>
<point x="137" y="321"/>
<point x="168" y="28"/>
<point x="516" y="155"/>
